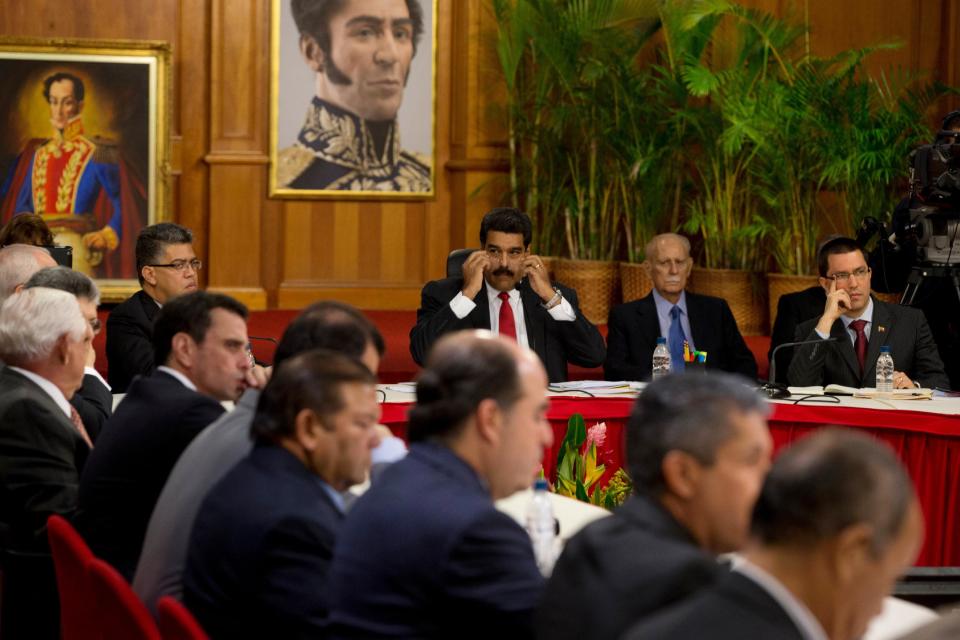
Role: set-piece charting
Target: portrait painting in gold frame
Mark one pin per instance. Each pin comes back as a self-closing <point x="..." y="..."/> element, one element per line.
<point x="85" y="147"/>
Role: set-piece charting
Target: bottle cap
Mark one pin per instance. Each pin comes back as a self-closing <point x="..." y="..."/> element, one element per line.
<point x="885" y="349"/>
<point x="661" y="340"/>
<point x="540" y="484"/>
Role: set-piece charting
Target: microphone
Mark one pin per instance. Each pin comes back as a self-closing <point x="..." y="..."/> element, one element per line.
<point x="774" y="389"/>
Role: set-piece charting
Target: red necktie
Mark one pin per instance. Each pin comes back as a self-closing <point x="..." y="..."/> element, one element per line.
<point x="78" y="424"/>
<point x="860" y="344"/>
<point x="508" y="326"/>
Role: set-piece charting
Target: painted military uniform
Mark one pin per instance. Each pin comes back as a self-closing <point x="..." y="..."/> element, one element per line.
<point x="336" y="150"/>
<point x="67" y="176"/>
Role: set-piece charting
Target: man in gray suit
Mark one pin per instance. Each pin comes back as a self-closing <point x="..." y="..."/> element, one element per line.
<point x="857" y="325"/>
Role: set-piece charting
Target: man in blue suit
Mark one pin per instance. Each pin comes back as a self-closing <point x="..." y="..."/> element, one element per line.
<point x="262" y="541"/>
<point x="424" y="553"/>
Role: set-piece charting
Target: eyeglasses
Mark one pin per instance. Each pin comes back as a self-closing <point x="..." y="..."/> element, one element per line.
<point x="843" y="276"/>
<point x="181" y="265"/>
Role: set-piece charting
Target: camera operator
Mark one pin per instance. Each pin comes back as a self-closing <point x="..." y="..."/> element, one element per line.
<point x="905" y="258"/>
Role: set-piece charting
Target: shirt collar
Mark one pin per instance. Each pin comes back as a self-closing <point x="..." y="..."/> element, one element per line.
<point x="184" y="380"/>
<point x="334" y="495"/>
<point x="866" y="315"/>
<point x="810" y="628"/>
<point x="48" y="387"/>
<point x="664" y="305"/>
<point x="493" y="294"/>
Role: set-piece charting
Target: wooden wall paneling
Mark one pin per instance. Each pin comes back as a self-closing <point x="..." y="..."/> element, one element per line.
<point x="239" y="30"/>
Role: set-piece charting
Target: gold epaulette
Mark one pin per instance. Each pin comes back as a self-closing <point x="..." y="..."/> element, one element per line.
<point x="105" y="150"/>
<point x="291" y="162"/>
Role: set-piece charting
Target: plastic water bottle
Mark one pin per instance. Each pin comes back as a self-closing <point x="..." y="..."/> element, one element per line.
<point x="885" y="370"/>
<point x="542" y="528"/>
<point x="661" y="359"/>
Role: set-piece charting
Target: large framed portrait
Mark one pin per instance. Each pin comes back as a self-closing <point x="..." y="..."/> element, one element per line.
<point x="353" y="99"/>
<point x="85" y="147"/>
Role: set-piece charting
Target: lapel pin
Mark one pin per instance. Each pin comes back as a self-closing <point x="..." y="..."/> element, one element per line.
<point x="881" y="328"/>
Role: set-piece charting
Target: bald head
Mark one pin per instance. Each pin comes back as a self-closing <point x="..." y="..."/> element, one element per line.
<point x="17" y="263"/>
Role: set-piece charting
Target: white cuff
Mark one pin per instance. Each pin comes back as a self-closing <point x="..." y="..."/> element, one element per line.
<point x="823" y="336"/>
<point x="90" y="371"/>
<point x="461" y="306"/>
<point x="563" y="312"/>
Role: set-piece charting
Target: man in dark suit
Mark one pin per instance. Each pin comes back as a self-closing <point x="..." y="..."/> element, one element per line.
<point x="94" y="400"/>
<point x="698" y="449"/>
<point x="792" y="309"/>
<point x="43" y="341"/>
<point x="704" y="322"/>
<point x="836" y="523"/>
<point x="201" y="340"/>
<point x="506" y="289"/>
<point x="167" y="267"/>
<point x="859" y="325"/>
<point x="262" y="542"/>
<point x="424" y="553"/>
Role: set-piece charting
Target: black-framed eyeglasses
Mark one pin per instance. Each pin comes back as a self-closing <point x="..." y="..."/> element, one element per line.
<point x="181" y="265"/>
<point x="843" y="276"/>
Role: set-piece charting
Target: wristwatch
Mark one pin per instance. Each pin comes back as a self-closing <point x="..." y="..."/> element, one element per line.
<point x="554" y="301"/>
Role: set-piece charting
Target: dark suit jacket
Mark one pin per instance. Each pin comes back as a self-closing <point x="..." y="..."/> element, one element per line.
<point x="620" y="569"/>
<point x="260" y="551"/>
<point x="904" y="329"/>
<point x="130" y="340"/>
<point x="425" y="554"/>
<point x="41" y="455"/>
<point x="94" y="402"/>
<point x="792" y="309"/>
<point x="633" y="330"/>
<point x="735" y="608"/>
<point x="131" y="461"/>
<point x="557" y="343"/>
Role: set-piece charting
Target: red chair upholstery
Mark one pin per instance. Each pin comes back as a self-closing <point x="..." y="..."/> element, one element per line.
<point x="176" y="622"/>
<point x="71" y="557"/>
<point x="122" y="616"/>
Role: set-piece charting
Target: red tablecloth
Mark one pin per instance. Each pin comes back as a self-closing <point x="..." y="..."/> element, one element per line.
<point x="928" y="444"/>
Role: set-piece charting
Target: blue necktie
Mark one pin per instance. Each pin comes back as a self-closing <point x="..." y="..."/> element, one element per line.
<point x="675" y="340"/>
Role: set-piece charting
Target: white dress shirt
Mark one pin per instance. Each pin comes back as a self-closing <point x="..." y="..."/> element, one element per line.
<point x="48" y="387"/>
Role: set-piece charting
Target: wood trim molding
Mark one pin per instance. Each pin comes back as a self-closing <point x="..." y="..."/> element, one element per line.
<point x="364" y="297"/>
<point x="478" y="164"/>
<point x="254" y="297"/>
<point x="237" y="157"/>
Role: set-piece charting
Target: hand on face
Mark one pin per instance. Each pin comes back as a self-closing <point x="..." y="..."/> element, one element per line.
<point x="474" y="268"/>
<point x="838" y="303"/>
<point x="536" y="273"/>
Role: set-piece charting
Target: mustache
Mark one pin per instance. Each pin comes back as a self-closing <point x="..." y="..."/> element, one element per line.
<point x="501" y="271"/>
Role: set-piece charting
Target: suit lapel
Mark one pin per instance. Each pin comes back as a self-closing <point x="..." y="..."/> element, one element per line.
<point x="40" y="396"/>
<point x="845" y="346"/>
<point x="698" y="329"/>
<point x="647" y="319"/>
<point x="531" y="317"/>
<point x="480" y="316"/>
<point x="879" y="329"/>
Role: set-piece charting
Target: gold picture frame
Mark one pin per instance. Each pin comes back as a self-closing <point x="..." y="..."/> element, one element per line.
<point x="97" y="167"/>
<point x="334" y="153"/>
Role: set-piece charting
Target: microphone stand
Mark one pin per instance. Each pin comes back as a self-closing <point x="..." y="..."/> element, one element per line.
<point x="776" y="390"/>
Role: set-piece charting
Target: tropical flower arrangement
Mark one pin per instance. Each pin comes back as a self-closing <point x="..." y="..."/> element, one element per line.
<point x="579" y="472"/>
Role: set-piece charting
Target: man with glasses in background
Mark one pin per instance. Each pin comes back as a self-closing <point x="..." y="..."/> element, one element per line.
<point x="167" y="267"/>
<point x="859" y="325"/>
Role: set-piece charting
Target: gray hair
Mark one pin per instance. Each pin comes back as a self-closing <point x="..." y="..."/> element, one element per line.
<point x="688" y="412"/>
<point x="651" y="248"/>
<point x="65" y="279"/>
<point x="827" y="482"/>
<point x="17" y="263"/>
<point x="32" y="321"/>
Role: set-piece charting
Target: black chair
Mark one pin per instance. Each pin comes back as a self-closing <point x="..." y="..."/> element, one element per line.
<point x="455" y="262"/>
